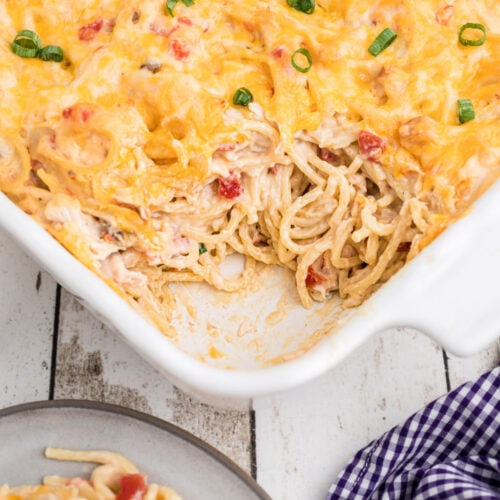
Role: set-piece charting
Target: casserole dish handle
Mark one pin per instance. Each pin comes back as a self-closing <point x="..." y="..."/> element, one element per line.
<point x="451" y="290"/>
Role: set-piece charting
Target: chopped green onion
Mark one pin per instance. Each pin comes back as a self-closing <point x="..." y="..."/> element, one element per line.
<point x="466" y="111"/>
<point x="242" y="97"/>
<point x="305" y="6"/>
<point x="307" y="55"/>
<point x="51" y="53"/>
<point x="26" y="44"/>
<point x="24" y="51"/>
<point x="471" y="41"/>
<point x="383" y="40"/>
<point x="202" y="249"/>
<point x="170" y="5"/>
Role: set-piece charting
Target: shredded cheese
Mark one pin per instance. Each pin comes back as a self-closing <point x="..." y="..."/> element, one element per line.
<point x="132" y="154"/>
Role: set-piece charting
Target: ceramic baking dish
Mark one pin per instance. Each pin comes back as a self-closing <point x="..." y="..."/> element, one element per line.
<point x="265" y="342"/>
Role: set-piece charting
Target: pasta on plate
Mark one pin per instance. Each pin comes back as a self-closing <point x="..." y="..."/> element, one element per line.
<point x="115" y="478"/>
<point x="333" y="138"/>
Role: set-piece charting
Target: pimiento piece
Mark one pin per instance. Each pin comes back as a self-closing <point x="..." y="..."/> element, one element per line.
<point x="313" y="278"/>
<point x="180" y="49"/>
<point x="370" y="145"/>
<point x="230" y="187"/>
<point x="444" y="15"/>
<point x="80" y="112"/>
<point x="132" y="487"/>
<point x="89" y="31"/>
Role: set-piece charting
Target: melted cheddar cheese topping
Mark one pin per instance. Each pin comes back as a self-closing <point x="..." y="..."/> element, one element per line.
<point x="207" y="51"/>
<point x="139" y="113"/>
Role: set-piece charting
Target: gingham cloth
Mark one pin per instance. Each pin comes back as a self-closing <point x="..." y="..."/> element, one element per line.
<point x="450" y="449"/>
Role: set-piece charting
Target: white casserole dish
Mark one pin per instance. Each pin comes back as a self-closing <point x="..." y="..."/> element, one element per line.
<point x="449" y="291"/>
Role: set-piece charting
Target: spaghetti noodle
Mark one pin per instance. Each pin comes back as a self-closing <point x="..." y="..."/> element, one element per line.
<point x="116" y="478"/>
<point x="135" y="155"/>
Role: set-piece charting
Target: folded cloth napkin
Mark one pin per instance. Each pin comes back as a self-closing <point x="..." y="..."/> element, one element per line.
<point x="450" y="449"/>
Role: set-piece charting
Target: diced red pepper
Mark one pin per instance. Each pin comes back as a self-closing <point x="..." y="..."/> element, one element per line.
<point x="444" y="15"/>
<point x="108" y="237"/>
<point x="278" y="52"/>
<point x="185" y="20"/>
<point x="370" y="145"/>
<point x="132" y="487"/>
<point x="230" y="187"/>
<point x="313" y="278"/>
<point x="80" y="112"/>
<point x="180" y="49"/>
<point x="327" y="155"/>
<point x="84" y="114"/>
<point x="164" y="32"/>
<point x="89" y="31"/>
<point x="224" y="148"/>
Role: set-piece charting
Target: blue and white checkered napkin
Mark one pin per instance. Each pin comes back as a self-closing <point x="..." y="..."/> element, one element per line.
<point x="449" y="449"/>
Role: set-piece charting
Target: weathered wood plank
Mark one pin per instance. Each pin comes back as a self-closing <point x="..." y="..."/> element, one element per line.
<point x="462" y="370"/>
<point x="27" y="300"/>
<point x="94" y="363"/>
<point x="305" y="437"/>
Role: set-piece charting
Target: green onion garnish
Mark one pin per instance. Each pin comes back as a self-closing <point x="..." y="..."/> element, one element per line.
<point x="26" y="44"/>
<point x="383" y="40"/>
<point x="307" y="55"/>
<point x="305" y="6"/>
<point x="51" y="53"/>
<point x="466" y="111"/>
<point x="471" y="41"/>
<point x="170" y="5"/>
<point x="242" y="97"/>
<point x="202" y="249"/>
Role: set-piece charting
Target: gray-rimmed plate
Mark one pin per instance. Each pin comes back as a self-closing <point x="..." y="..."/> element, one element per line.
<point x="166" y="453"/>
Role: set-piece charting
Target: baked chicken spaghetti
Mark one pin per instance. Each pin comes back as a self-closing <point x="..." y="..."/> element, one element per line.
<point x="333" y="138"/>
<point x="115" y="479"/>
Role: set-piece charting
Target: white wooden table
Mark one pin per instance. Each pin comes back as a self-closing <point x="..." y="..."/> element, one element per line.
<point x="294" y="444"/>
